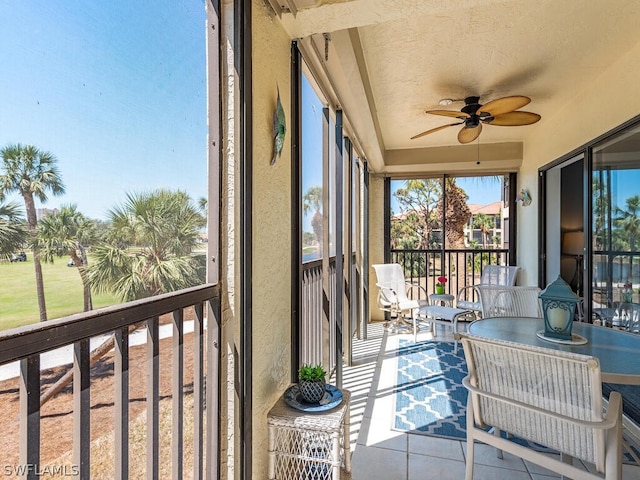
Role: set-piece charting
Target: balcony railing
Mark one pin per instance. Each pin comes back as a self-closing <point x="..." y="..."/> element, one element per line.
<point x="612" y="269"/>
<point x="318" y="337"/>
<point x="26" y="345"/>
<point x="461" y="267"/>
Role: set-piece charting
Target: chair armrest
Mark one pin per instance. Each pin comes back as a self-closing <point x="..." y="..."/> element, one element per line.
<point x="614" y="408"/>
<point x="417" y="285"/>
<point x="463" y="293"/>
<point x="393" y="304"/>
<point x="383" y="286"/>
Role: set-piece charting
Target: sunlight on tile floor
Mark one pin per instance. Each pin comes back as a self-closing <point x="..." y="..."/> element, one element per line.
<point x="380" y="453"/>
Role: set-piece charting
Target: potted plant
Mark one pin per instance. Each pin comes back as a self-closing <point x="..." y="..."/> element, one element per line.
<point x="442" y="281"/>
<point x="312" y="382"/>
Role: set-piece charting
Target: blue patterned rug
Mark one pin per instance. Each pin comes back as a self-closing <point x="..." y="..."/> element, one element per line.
<point x="430" y="398"/>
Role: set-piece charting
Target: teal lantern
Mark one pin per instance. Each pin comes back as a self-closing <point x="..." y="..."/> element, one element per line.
<point x="558" y="307"/>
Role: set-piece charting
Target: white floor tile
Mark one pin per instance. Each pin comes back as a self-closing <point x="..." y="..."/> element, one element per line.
<point x="435" y="447"/>
<point x="431" y="468"/>
<point x="487" y="455"/>
<point x="380" y="435"/>
<point x="373" y="463"/>
<point x="538" y="470"/>
<point x="484" y="472"/>
<point x="380" y="453"/>
<point x="629" y="472"/>
<point x="422" y="467"/>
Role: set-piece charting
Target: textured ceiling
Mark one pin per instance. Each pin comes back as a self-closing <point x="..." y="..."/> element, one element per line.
<point x="397" y="59"/>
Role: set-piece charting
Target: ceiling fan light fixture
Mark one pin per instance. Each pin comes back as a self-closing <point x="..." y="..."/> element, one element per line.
<point x="445" y="101"/>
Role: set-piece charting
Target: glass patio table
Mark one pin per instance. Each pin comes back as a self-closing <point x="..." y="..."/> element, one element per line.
<point x="617" y="351"/>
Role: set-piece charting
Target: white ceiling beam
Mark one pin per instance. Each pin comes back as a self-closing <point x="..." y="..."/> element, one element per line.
<point x="331" y="17"/>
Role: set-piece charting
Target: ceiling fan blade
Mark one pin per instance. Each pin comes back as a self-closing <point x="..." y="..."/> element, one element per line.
<point x="433" y="130"/>
<point x="449" y="113"/>
<point x="504" y="105"/>
<point x="514" y="119"/>
<point x="468" y="135"/>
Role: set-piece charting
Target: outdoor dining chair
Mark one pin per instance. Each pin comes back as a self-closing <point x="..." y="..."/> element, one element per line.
<point x="550" y="397"/>
<point x="394" y="296"/>
<point x="511" y="302"/>
<point x="470" y="297"/>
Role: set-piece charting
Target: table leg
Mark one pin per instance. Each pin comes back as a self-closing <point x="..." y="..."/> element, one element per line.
<point x="272" y="453"/>
<point x="336" y="455"/>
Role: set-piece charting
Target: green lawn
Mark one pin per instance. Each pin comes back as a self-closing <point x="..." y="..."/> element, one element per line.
<point x="62" y="288"/>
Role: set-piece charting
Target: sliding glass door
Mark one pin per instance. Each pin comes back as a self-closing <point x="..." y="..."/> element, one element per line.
<point x="615" y="225"/>
<point x="564" y="239"/>
<point x="590" y="232"/>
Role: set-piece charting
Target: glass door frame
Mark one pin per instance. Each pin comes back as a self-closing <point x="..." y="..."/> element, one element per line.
<point x="586" y="151"/>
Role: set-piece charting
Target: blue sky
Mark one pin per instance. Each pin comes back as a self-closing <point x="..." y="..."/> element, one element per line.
<point x="115" y="90"/>
<point x="312" y="147"/>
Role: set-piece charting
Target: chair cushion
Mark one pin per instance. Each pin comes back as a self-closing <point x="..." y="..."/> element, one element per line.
<point x="410" y="304"/>
<point x="467" y="305"/>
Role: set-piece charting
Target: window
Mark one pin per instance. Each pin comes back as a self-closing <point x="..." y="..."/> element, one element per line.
<point x="313" y="146"/>
<point x="417" y="216"/>
<point x="117" y="95"/>
<point x="615" y="236"/>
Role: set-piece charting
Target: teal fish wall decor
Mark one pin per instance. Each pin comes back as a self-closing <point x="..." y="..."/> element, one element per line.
<point x="279" y="129"/>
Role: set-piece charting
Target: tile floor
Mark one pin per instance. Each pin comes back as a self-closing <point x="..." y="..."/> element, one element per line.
<point x="380" y="453"/>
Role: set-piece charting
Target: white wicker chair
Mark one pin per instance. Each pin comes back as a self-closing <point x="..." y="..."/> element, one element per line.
<point x="511" y="302"/>
<point x="393" y="294"/>
<point x="549" y="397"/>
<point x="493" y="276"/>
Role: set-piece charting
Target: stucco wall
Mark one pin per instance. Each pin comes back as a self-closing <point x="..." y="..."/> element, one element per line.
<point x="271" y="278"/>
<point x="611" y="99"/>
<point x="376" y="239"/>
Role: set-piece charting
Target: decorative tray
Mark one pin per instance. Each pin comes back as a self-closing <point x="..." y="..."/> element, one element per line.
<point x="332" y="398"/>
<point x="575" y="339"/>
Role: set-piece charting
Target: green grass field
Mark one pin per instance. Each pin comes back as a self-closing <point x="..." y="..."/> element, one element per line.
<point x="62" y="289"/>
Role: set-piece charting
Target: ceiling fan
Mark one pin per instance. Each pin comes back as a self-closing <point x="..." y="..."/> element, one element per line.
<point x="501" y="111"/>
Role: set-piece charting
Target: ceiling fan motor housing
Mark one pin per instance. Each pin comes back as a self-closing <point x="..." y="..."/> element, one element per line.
<point x="471" y="108"/>
<point x="471" y="105"/>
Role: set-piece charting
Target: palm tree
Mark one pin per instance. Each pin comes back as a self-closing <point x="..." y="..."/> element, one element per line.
<point x="30" y="172"/>
<point x="457" y="213"/>
<point x="13" y="234"/>
<point x="485" y="223"/>
<point x="628" y="221"/>
<point x="202" y="204"/>
<point x="312" y="199"/>
<point x="601" y="202"/>
<point x="162" y="228"/>
<point x="68" y="232"/>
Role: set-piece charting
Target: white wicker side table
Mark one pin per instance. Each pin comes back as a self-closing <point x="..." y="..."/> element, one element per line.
<point x="309" y="446"/>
